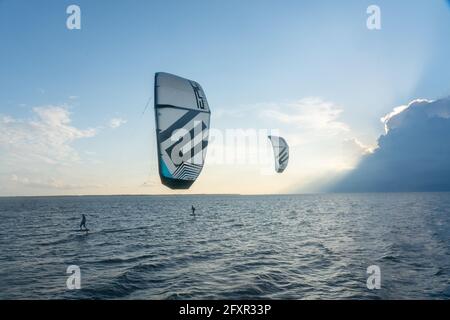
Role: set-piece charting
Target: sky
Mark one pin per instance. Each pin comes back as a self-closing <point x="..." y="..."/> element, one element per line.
<point x="72" y="103"/>
<point x="412" y="156"/>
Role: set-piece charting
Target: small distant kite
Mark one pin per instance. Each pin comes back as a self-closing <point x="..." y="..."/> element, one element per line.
<point x="281" y="153"/>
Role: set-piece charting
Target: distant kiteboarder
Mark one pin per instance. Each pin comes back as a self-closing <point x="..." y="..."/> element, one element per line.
<point x="83" y="223"/>
<point x="193" y="210"/>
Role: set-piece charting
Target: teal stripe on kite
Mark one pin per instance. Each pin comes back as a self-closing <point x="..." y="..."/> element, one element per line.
<point x="165" y="172"/>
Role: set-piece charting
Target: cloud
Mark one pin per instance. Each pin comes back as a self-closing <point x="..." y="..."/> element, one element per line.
<point x="396" y="117"/>
<point x="46" y="137"/>
<point x="309" y="114"/>
<point x="353" y="150"/>
<point x="413" y="155"/>
<point x="318" y="138"/>
<point x="416" y="110"/>
<point x="51" y="183"/>
<point x="357" y="146"/>
<point x="226" y="112"/>
<point x="116" y="122"/>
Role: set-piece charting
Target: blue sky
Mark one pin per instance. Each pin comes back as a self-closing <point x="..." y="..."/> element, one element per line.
<point x="311" y="69"/>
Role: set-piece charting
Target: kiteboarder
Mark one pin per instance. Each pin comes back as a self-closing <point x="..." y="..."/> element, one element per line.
<point x="83" y="222"/>
<point x="193" y="210"/>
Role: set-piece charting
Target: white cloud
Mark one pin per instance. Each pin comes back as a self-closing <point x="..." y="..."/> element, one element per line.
<point x="46" y="137"/>
<point x="50" y="183"/>
<point x="228" y="113"/>
<point x="7" y="119"/>
<point x="394" y="118"/>
<point x="352" y="152"/>
<point x="116" y="122"/>
<point x="416" y="110"/>
<point x="309" y="114"/>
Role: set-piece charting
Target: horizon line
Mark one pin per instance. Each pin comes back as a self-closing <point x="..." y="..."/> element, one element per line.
<point x="212" y="194"/>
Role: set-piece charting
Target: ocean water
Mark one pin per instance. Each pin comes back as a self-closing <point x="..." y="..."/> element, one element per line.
<point x="237" y="247"/>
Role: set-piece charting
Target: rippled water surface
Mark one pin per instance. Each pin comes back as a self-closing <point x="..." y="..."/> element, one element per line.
<point x="280" y="247"/>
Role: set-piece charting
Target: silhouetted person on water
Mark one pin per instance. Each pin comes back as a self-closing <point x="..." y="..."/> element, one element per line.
<point x="83" y="222"/>
<point x="193" y="210"/>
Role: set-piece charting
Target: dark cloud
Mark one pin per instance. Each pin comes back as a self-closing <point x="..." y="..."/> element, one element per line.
<point x="413" y="155"/>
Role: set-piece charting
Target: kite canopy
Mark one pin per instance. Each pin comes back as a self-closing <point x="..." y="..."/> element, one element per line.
<point x="281" y="153"/>
<point x="182" y="122"/>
